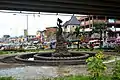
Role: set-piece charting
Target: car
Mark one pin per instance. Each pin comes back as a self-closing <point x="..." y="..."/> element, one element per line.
<point x="30" y="47"/>
<point x="96" y="43"/>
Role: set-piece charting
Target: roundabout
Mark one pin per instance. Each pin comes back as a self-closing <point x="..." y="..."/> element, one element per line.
<point x="61" y="55"/>
<point x="46" y="58"/>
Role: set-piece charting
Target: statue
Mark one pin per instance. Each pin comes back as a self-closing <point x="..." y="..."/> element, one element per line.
<point x="59" y="30"/>
<point x="61" y="48"/>
<point x="59" y="21"/>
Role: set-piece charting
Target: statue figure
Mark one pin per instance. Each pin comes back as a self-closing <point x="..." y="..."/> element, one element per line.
<point x="61" y="48"/>
<point x="59" y="21"/>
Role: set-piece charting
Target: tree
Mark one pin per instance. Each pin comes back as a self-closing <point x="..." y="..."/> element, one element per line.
<point x="6" y="36"/>
<point x="77" y="33"/>
<point x="99" y="27"/>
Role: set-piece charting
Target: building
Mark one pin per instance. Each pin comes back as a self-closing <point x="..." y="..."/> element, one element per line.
<point x="70" y="25"/>
<point x="111" y="29"/>
<point x="40" y="35"/>
<point x="50" y="33"/>
<point x="69" y="28"/>
<point x="29" y="37"/>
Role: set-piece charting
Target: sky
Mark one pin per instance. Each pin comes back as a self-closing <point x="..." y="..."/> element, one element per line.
<point x="14" y="24"/>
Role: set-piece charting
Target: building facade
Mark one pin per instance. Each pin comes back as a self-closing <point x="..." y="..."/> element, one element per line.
<point x="50" y="33"/>
<point x="111" y="28"/>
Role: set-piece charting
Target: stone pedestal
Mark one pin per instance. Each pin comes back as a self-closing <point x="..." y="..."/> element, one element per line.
<point x="61" y="47"/>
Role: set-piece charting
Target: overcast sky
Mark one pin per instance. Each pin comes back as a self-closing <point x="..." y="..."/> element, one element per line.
<point x="14" y="25"/>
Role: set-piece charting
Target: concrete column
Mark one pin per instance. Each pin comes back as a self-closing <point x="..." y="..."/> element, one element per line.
<point x="89" y="22"/>
<point x="97" y="18"/>
<point x="92" y="22"/>
<point x="84" y="23"/>
<point x="105" y="33"/>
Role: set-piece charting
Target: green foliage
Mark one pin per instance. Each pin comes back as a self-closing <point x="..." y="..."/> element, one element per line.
<point x="116" y="71"/>
<point x="98" y="27"/>
<point x="96" y="66"/>
<point x="117" y="48"/>
<point x="77" y="31"/>
<point x="3" y="52"/>
<point x="15" y="50"/>
<point x="7" y="78"/>
<point x="70" y="78"/>
<point x="79" y="77"/>
<point x="22" y="50"/>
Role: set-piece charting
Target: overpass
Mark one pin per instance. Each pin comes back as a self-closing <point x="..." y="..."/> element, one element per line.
<point x="87" y="7"/>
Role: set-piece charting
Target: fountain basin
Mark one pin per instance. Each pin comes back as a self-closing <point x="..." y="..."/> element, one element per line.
<point x="46" y="58"/>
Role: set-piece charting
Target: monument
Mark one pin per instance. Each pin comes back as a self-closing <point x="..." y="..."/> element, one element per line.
<point x="61" y="48"/>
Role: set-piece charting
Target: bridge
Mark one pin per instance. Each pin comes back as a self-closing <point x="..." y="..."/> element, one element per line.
<point x="87" y="7"/>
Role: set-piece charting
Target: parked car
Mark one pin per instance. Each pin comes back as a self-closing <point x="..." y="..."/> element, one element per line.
<point x="96" y="43"/>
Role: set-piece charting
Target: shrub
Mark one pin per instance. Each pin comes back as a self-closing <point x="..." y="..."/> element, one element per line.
<point x="4" y="52"/>
<point x="77" y="77"/>
<point x="95" y="65"/>
<point x="117" y="48"/>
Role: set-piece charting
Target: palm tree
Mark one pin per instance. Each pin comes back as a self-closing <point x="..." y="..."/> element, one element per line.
<point x="77" y="33"/>
<point x="99" y="28"/>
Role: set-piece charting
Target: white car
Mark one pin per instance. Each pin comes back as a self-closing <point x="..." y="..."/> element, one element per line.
<point x="96" y="43"/>
<point x="30" y="47"/>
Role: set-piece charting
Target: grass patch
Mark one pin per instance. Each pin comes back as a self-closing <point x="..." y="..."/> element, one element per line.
<point x="7" y="78"/>
<point x="69" y="78"/>
<point x="85" y="49"/>
<point x="4" y="52"/>
<point x="78" y="78"/>
<point x="22" y="50"/>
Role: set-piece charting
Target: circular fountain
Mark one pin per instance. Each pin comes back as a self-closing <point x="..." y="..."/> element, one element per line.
<point x="46" y="58"/>
<point x="60" y="56"/>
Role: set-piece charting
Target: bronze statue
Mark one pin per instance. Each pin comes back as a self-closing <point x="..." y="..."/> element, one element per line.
<point x="59" y="21"/>
<point x="61" y="48"/>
